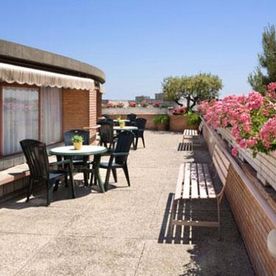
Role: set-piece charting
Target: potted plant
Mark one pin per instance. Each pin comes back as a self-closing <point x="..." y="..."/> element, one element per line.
<point x="161" y="121"/>
<point x="77" y="142"/>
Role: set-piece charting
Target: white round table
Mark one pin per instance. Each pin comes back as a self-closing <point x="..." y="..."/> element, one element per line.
<point x="124" y="120"/>
<point x="86" y="150"/>
<point x="129" y="128"/>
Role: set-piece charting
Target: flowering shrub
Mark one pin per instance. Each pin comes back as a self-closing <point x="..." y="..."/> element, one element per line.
<point x="144" y="104"/>
<point x="252" y="119"/>
<point x="156" y="104"/>
<point x="179" y="110"/>
<point x="110" y="105"/>
<point x="132" y="104"/>
<point x="120" y="105"/>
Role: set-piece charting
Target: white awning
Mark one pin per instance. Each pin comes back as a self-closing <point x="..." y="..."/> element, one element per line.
<point x="22" y="75"/>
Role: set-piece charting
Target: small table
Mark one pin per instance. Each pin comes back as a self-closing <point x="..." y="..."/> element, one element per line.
<point x="129" y="128"/>
<point x="86" y="150"/>
<point x="124" y="120"/>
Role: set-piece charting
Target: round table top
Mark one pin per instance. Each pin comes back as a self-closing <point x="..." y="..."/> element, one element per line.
<point x="123" y="120"/>
<point x="125" y="128"/>
<point x="85" y="150"/>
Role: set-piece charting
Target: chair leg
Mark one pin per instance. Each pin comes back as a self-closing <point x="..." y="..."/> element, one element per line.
<point x="71" y="180"/>
<point x="114" y="172"/>
<point x="143" y="141"/>
<point x="126" y="174"/>
<point x="56" y="186"/>
<point x="29" y="191"/>
<point x="85" y="178"/>
<point x="107" y="178"/>
<point x="66" y="180"/>
<point x="91" y="178"/>
<point x="48" y="187"/>
<point x="136" y="143"/>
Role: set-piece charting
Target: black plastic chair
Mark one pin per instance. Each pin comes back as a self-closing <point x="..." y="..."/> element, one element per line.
<point x="131" y="117"/>
<point x="118" y="158"/>
<point x="106" y="133"/>
<point x="40" y="172"/>
<point x="106" y="116"/>
<point x="140" y="123"/>
<point x="80" y="163"/>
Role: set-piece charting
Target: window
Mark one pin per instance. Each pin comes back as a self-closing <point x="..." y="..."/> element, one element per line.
<point x="51" y="125"/>
<point x="20" y="117"/>
<point x="23" y="117"/>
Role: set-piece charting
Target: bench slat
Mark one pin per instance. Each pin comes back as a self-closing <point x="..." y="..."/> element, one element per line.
<point x="201" y="182"/>
<point x="186" y="188"/>
<point x="190" y="132"/>
<point x="209" y="184"/>
<point x="219" y="172"/>
<point x="219" y="165"/>
<point x="179" y="184"/>
<point x="194" y="181"/>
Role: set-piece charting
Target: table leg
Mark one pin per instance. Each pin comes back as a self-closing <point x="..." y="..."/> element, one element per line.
<point x="97" y="159"/>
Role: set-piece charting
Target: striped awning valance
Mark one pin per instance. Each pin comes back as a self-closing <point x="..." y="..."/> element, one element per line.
<point x="22" y="75"/>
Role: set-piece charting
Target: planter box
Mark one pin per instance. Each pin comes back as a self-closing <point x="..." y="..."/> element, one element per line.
<point x="252" y="206"/>
<point x="179" y="123"/>
<point x="264" y="164"/>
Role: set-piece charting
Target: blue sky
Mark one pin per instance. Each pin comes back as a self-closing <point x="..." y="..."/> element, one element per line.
<point x="137" y="43"/>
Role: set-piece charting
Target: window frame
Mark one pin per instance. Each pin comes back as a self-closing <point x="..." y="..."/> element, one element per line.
<point x="2" y="86"/>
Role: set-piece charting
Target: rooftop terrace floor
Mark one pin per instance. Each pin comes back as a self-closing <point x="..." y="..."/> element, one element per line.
<point x="123" y="231"/>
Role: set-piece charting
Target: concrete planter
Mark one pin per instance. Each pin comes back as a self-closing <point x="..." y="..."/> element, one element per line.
<point x="179" y="123"/>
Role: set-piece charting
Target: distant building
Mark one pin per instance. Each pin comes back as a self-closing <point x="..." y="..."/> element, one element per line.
<point x="140" y="99"/>
<point x="159" y="96"/>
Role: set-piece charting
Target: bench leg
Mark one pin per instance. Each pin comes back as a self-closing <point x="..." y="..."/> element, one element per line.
<point x="219" y="230"/>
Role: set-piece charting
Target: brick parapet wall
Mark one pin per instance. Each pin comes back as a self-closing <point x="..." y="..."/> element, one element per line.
<point x="254" y="215"/>
<point x="177" y="122"/>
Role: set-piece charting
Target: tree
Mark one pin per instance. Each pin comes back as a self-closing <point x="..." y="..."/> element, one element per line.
<point x="265" y="73"/>
<point x="192" y="88"/>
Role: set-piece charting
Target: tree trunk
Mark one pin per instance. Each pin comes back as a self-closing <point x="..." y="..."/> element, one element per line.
<point x="177" y="101"/>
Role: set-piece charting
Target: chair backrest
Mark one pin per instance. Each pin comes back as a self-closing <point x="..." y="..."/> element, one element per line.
<point x="125" y="139"/>
<point x="106" y="131"/>
<point x="68" y="135"/>
<point x="131" y="116"/>
<point x="106" y="116"/>
<point x="221" y="164"/>
<point x="140" y="123"/>
<point x="36" y="157"/>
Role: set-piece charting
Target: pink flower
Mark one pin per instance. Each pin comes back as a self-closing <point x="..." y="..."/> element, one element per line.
<point x="234" y="151"/>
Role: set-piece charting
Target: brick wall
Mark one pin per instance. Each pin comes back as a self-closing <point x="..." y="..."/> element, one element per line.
<point x="148" y="117"/>
<point x="99" y="103"/>
<point x="177" y="122"/>
<point x="254" y="214"/>
<point x="75" y="104"/>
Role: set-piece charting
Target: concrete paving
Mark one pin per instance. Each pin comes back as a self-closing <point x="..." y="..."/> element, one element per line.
<point x="123" y="231"/>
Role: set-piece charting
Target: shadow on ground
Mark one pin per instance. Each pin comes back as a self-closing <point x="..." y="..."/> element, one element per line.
<point x="38" y="197"/>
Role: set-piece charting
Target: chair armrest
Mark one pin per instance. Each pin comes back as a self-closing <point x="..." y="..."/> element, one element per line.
<point x="63" y="162"/>
<point x="119" y="153"/>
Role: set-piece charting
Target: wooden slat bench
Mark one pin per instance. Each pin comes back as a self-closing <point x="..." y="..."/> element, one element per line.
<point x="192" y="133"/>
<point x="195" y="182"/>
<point x="185" y="146"/>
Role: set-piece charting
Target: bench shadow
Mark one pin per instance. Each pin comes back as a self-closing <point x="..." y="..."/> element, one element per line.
<point x="196" y="210"/>
<point x="206" y="247"/>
